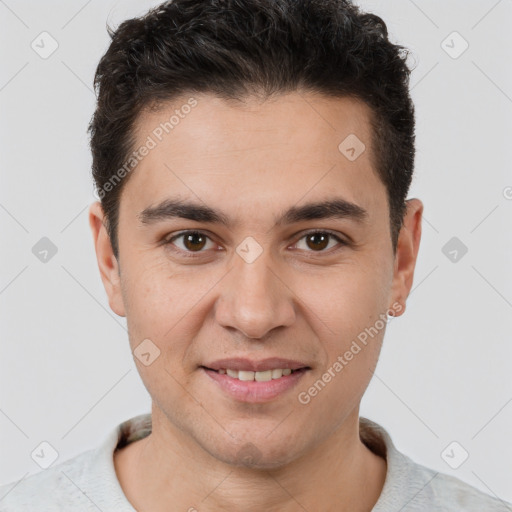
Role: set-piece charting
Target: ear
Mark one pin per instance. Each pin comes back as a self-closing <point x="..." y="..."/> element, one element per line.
<point x="107" y="262"/>
<point x="407" y="253"/>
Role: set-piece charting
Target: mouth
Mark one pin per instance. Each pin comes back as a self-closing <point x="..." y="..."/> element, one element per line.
<point x="255" y="382"/>
<point x="261" y="376"/>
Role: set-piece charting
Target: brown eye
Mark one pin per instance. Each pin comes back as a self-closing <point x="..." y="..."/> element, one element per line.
<point x="319" y="241"/>
<point x="194" y="241"/>
<point x="191" y="241"/>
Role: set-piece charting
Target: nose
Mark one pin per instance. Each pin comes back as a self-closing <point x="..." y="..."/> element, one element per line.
<point x="254" y="298"/>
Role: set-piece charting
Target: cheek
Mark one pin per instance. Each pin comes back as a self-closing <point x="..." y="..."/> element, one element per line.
<point x="149" y="306"/>
<point x="346" y="299"/>
<point x="167" y="305"/>
<point x="352" y="354"/>
<point x="350" y="317"/>
<point x="154" y="293"/>
<point x="159" y="315"/>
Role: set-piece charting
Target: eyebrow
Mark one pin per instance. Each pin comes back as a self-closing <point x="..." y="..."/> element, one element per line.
<point x="337" y="208"/>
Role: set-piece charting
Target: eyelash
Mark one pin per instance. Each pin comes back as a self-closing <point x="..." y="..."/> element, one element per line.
<point x="192" y="254"/>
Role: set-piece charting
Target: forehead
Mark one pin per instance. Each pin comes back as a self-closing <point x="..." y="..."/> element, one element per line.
<point x="273" y="151"/>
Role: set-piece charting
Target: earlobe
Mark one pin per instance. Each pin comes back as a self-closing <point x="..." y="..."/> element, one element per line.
<point x="107" y="262"/>
<point x="407" y="253"/>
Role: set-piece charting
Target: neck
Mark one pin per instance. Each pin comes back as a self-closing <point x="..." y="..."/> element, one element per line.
<point x="168" y="467"/>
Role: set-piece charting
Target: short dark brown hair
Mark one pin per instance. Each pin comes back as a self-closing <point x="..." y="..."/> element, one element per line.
<point x="238" y="48"/>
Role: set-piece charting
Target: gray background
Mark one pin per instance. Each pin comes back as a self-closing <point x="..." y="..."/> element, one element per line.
<point x="66" y="372"/>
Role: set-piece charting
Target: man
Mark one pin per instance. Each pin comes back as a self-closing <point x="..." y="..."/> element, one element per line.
<point x="253" y="159"/>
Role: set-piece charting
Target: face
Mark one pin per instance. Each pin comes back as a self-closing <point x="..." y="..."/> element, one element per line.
<point x="246" y="233"/>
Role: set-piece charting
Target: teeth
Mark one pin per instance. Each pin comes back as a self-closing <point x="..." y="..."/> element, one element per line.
<point x="264" y="376"/>
<point x="277" y="373"/>
<point x="242" y="375"/>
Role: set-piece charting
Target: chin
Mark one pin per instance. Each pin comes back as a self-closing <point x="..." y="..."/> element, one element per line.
<point x="257" y="455"/>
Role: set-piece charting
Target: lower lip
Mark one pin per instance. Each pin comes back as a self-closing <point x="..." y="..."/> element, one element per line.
<point x="254" y="391"/>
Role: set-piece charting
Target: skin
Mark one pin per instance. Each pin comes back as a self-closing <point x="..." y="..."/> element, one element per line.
<point x="252" y="161"/>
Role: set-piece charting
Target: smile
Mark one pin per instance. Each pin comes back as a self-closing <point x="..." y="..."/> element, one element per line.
<point x="255" y="387"/>
<point x="264" y="376"/>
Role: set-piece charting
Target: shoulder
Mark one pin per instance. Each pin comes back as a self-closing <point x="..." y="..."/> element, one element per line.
<point x="462" y="496"/>
<point x="51" y="489"/>
<point x="412" y="487"/>
<point x="446" y="493"/>
<point x="86" y="482"/>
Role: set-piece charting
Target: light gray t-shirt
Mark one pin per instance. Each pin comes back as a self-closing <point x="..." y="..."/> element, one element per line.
<point x="88" y="481"/>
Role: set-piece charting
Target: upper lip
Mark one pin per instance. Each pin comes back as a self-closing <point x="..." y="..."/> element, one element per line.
<point x="243" y="364"/>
